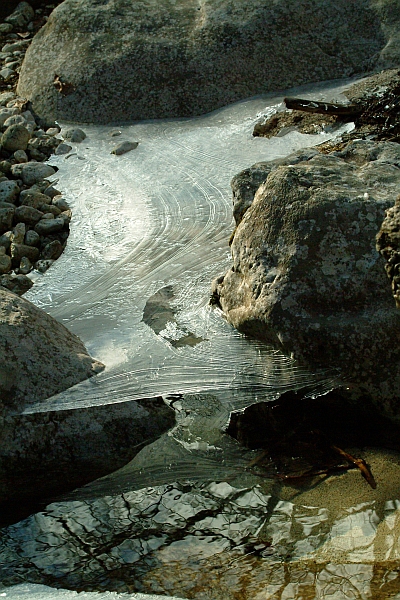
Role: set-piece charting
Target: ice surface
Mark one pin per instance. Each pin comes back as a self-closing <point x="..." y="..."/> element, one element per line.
<point x="160" y="217"/>
<point x="31" y="591"/>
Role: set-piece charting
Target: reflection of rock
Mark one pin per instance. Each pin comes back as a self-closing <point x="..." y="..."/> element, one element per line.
<point x="159" y="314"/>
<point x="306" y="275"/>
<point x="179" y="59"/>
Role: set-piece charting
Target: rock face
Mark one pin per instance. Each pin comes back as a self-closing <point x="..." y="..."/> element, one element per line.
<point x="39" y="356"/>
<point x="306" y="275"/>
<point x="106" y="61"/>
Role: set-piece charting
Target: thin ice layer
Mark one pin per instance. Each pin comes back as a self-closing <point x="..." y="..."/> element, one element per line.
<point x="156" y="218"/>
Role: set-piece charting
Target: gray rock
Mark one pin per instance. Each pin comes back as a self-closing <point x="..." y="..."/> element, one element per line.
<point x="6" y="74"/>
<point x="50" y="208"/>
<point x="25" y="266"/>
<point x="18" y="233"/>
<point x="5" y="240"/>
<point x="5" y="261"/>
<point x="6" y="113"/>
<point x="21" y="156"/>
<point x="181" y="59"/>
<point x="52" y="131"/>
<point x="51" y="191"/>
<point x="28" y="214"/>
<point x="9" y="191"/>
<point x="15" y="120"/>
<point x="40" y="357"/>
<point x="75" y="135"/>
<point x="63" y="149"/>
<point x="43" y="265"/>
<point x="32" y="172"/>
<point x="5" y="27"/>
<point x="5" y="97"/>
<point x="21" y="16"/>
<point x="32" y="238"/>
<point x="6" y="216"/>
<point x="15" y="137"/>
<point x="52" y="250"/>
<point x="33" y="197"/>
<point x="49" y="225"/>
<point x="124" y="147"/>
<point x="306" y="275"/>
<point x="18" y="251"/>
<point x="17" y="284"/>
<point x="60" y="203"/>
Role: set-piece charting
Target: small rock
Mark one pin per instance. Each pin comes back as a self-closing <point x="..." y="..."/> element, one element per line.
<point x="18" y="284"/>
<point x="25" y="266"/>
<point x="15" y="120"/>
<point x="7" y="74"/>
<point x="6" y="113"/>
<point x="9" y="191"/>
<point x="52" y="131"/>
<point x="63" y="149"/>
<point x="5" y="166"/>
<point x="50" y="209"/>
<point x="5" y="261"/>
<point x="115" y="133"/>
<point x="66" y="215"/>
<point x="43" y="265"/>
<point x="18" y="251"/>
<point x="5" y="97"/>
<point x="46" y="226"/>
<point x="37" y="155"/>
<point x="60" y="202"/>
<point x="124" y="147"/>
<point x="6" y="216"/>
<point x="31" y="238"/>
<point x="5" y="27"/>
<point x="52" y="251"/>
<point x="21" y="156"/>
<point x="51" y="191"/>
<point x="15" y="46"/>
<point x="5" y="240"/>
<point x="32" y="172"/>
<point x="18" y="233"/>
<point x="48" y="215"/>
<point x="15" y="137"/>
<point x="28" y="214"/>
<point x="75" y="135"/>
<point x="32" y="197"/>
<point x="21" y="15"/>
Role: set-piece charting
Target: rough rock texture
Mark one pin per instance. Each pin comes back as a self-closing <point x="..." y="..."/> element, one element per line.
<point x="306" y="275"/>
<point x="38" y="356"/>
<point x="105" y="61"/>
<point x="388" y="244"/>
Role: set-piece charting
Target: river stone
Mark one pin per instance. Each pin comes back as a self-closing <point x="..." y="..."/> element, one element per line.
<point x="306" y="276"/>
<point x="21" y="156"/>
<point x="28" y="214"/>
<point x="9" y="191"/>
<point x="21" y="16"/>
<point x="15" y="137"/>
<point x="5" y="261"/>
<point x="5" y="239"/>
<point x="17" y="284"/>
<point x="124" y="147"/>
<point x="15" y="120"/>
<point x="49" y="225"/>
<point x="74" y="134"/>
<point x="32" y="238"/>
<point x="43" y="264"/>
<point x="106" y="61"/>
<point x="18" y="233"/>
<point x="18" y="251"/>
<point x="6" y="216"/>
<point x="32" y="172"/>
<point x="25" y="266"/>
<point x="40" y="357"/>
<point x="52" y="250"/>
<point x="6" y="113"/>
<point x="5" y="97"/>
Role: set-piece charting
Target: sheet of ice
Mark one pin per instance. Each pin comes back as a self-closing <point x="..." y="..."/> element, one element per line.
<point x="160" y="217"/>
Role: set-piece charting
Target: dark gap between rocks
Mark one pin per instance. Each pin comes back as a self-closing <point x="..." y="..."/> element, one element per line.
<point x="300" y="438"/>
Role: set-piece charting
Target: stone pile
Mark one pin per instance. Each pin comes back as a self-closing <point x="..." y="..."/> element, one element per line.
<point x="34" y="218"/>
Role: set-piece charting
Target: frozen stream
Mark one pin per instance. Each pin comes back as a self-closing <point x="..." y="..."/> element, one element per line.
<point x="150" y="231"/>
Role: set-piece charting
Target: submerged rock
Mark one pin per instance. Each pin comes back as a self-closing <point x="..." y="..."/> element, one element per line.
<point x="306" y="275"/>
<point x="102" y="62"/>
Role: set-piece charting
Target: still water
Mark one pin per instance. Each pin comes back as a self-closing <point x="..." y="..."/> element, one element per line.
<point x="185" y="517"/>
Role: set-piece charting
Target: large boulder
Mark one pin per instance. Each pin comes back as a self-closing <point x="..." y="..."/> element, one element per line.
<point x="39" y="356"/>
<point x="116" y="60"/>
<point x="306" y="275"/>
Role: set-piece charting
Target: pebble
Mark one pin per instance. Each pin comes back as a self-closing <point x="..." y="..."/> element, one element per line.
<point x="18" y="251"/>
<point x="21" y="156"/>
<point x="18" y="233"/>
<point x="28" y="214"/>
<point x="49" y="225"/>
<point x="9" y="191"/>
<point x="32" y="172"/>
<point x="52" y="131"/>
<point x="15" y="137"/>
<point x="124" y="147"/>
<point x="60" y="203"/>
<point x="7" y="74"/>
<point x="15" y="120"/>
<point x="6" y="113"/>
<point x="75" y="135"/>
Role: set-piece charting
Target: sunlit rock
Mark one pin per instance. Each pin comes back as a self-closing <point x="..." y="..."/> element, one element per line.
<point x="306" y="275"/>
<point x="100" y="62"/>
